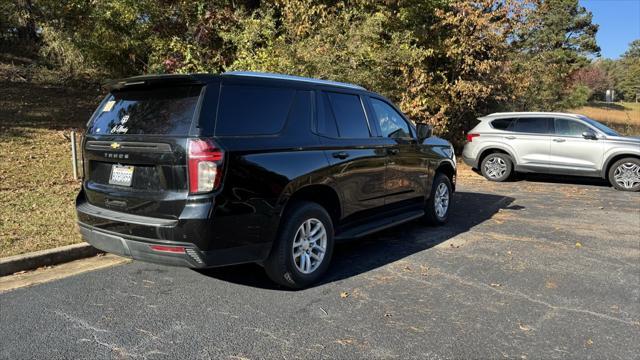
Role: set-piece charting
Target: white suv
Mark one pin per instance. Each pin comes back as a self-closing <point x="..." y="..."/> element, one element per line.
<point x="554" y="143"/>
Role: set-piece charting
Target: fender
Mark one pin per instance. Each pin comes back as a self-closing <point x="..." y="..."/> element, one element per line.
<point x="610" y="157"/>
<point x="498" y="146"/>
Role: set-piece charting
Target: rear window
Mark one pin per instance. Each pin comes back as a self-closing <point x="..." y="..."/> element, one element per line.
<point x="253" y="110"/>
<point x="157" y="111"/>
<point x="502" y="124"/>
<point x="349" y="115"/>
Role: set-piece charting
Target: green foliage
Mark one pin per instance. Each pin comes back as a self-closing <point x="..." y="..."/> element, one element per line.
<point x="443" y="61"/>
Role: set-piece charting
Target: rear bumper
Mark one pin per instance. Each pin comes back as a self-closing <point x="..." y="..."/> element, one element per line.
<point x="469" y="161"/>
<point x="192" y="257"/>
<point x="133" y="236"/>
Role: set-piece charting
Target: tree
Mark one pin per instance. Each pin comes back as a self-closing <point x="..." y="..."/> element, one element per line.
<point x="557" y="39"/>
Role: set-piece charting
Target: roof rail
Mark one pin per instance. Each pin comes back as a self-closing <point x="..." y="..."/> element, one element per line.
<point x="293" y="78"/>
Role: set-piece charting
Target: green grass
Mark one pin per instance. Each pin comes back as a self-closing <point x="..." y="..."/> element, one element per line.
<point x="37" y="189"/>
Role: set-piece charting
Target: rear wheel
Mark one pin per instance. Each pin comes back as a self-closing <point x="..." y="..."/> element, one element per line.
<point x="496" y="167"/>
<point x="439" y="203"/>
<point x="624" y="174"/>
<point x="303" y="249"/>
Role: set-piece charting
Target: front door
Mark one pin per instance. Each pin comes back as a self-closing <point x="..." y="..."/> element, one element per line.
<point x="407" y="167"/>
<point x="571" y="152"/>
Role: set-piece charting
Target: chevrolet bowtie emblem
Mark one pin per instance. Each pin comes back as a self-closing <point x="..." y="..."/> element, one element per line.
<point x="115" y="145"/>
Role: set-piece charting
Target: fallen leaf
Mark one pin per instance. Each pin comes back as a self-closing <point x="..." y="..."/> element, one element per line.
<point x="407" y="268"/>
<point x="588" y="343"/>
<point x="496" y="285"/>
<point x="578" y="245"/>
<point x="344" y="341"/>
<point x="524" y="327"/>
<point x="388" y="315"/>
<point x="344" y="294"/>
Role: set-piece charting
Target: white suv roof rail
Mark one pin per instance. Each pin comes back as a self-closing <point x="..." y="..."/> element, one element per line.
<point x="526" y="113"/>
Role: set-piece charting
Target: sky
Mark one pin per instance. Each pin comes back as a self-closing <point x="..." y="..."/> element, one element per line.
<point x="619" y="22"/>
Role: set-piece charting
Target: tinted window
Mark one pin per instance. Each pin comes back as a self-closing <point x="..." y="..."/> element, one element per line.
<point x="326" y="121"/>
<point x="253" y="110"/>
<point x="534" y="125"/>
<point x="391" y="123"/>
<point x="570" y="127"/>
<point x="502" y="124"/>
<point x="165" y="111"/>
<point x="349" y="115"/>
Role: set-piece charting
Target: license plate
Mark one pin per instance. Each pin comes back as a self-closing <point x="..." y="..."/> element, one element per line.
<point x="121" y="175"/>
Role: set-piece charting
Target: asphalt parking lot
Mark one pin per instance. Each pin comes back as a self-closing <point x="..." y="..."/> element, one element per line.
<point x="528" y="269"/>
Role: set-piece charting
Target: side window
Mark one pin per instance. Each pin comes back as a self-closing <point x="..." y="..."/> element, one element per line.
<point x="534" y="125"/>
<point x="570" y="128"/>
<point x="502" y="124"/>
<point x="253" y="110"/>
<point x="391" y="123"/>
<point x="326" y="121"/>
<point x="349" y="114"/>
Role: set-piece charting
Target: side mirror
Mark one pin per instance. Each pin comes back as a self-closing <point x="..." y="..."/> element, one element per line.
<point x="590" y="135"/>
<point x="424" y="131"/>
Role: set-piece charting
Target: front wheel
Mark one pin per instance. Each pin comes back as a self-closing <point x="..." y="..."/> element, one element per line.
<point x="439" y="203"/>
<point x="625" y="174"/>
<point x="304" y="246"/>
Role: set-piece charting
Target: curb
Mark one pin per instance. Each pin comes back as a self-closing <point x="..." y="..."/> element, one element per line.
<point x="36" y="259"/>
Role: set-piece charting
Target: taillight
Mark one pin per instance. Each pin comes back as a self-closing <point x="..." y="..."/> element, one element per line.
<point x="205" y="166"/>
<point x="471" y="136"/>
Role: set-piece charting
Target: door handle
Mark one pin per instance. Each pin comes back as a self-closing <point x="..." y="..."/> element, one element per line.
<point x="510" y="137"/>
<point x="559" y="140"/>
<point x="393" y="151"/>
<point x="340" y="155"/>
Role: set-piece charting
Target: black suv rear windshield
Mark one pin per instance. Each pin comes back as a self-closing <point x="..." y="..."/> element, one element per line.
<point x="157" y="111"/>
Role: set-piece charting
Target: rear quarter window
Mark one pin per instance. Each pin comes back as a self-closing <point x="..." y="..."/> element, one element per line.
<point x="253" y="110"/>
<point x="502" y="124"/>
<point x="155" y="111"/>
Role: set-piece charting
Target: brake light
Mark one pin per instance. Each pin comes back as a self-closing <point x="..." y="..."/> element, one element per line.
<point x="168" y="249"/>
<point x="205" y="166"/>
<point x="471" y="136"/>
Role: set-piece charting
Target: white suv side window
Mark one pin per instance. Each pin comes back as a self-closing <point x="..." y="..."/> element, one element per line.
<point x="566" y="127"/>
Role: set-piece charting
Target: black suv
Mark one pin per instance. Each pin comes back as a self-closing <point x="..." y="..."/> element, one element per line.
<point x="208" y="170"/>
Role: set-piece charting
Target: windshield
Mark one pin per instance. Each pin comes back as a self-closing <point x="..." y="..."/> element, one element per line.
<point x="605" y="129"/>
<point x="156" y="111"/>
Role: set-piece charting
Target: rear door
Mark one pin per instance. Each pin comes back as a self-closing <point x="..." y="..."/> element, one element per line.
<point x="530" y="137"/>
<point x="407" y="166"/>
<point x="356" y="154"/>
<point x="134" y="149"/>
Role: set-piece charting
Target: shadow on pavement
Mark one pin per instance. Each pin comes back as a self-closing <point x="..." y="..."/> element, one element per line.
<point x="562" y="179"/>
<point x="359" y="256"/>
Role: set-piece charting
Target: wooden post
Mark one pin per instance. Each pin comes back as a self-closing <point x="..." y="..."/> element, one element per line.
<point x="74" y="157"/>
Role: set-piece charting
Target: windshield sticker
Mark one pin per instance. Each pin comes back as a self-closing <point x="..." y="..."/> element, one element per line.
<point x="108" y="106"/>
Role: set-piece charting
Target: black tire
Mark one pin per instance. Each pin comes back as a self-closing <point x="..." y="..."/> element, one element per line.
<point x="431" y="216"/>
<point x="280" y="266"/>
<point x="502" y="159"/>
<point x="612" y="173"/>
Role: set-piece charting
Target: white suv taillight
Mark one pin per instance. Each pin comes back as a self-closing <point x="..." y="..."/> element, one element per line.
<point x="205" y="166"/>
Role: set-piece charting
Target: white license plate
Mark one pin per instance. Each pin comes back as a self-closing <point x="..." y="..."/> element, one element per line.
<point x="121" y="175"/>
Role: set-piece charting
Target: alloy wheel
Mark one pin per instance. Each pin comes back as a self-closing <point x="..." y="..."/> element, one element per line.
<point x="441" y="202"/>
<point x="627" y="175"/>
<point x="495" y="167"/>
<point x="309" y="245"/>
